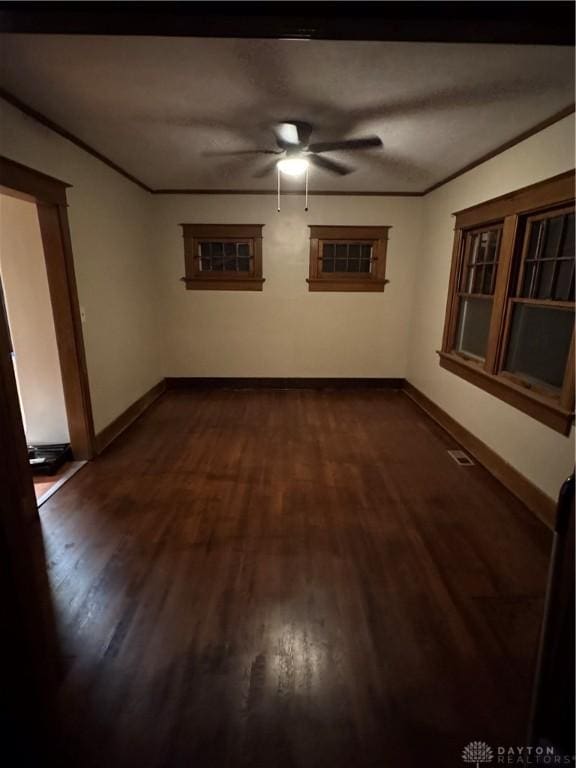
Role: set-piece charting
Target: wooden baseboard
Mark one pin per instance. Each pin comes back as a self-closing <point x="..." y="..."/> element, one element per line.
<point x="535" y="499"/>
<point x="200" y="382"/>
<point x="128" y="417"/>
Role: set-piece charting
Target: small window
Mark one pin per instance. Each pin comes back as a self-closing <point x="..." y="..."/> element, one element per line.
<point x="510" y="317"/>
<point x="224" y="257"/>
<point x="347" y="258"/>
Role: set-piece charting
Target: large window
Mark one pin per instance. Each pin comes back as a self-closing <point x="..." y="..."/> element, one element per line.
<point x="510" y="316"/>
<point x="224" y="257"/>
<point x="347" y="258"/>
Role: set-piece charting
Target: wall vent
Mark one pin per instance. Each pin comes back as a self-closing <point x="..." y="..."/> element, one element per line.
<point x="461" y="458"/>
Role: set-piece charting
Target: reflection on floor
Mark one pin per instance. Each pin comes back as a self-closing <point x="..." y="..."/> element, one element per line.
<point x="46" y="485"/>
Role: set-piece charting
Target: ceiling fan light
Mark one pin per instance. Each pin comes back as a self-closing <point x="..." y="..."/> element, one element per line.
<point x="293" y="166"/>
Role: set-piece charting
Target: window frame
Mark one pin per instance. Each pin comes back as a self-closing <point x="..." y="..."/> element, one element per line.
<point x="514" y="212"/>
<point x="226" y="280"/>
<point x="372" y="281"/>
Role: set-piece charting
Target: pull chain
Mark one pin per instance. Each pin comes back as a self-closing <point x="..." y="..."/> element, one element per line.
<point x="306" y="198"/>
<point x="278" y="172"/>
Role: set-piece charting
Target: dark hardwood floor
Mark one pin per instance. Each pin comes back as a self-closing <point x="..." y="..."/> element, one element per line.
<point x="291" y="579"/>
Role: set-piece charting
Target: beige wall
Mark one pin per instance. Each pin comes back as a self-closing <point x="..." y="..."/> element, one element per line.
<point x="114" y="262"/>
<point x="285" y="330"/>
<point x="536" y="451"/>
<point x="23" y="271"/>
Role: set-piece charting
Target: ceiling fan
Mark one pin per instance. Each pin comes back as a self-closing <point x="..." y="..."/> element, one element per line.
<point x="295" y="153"/>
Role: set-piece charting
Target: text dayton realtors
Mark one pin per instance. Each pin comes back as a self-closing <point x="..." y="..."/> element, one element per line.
<point x="531" y="756"/>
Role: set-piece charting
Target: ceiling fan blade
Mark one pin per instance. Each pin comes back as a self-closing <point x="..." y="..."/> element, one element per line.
<point x="287" y="134"/>
<point x="233" y="153"/>
<point x="304" y="132"/>
<point x="331" y="146"/>
<point x="330" y="165"/>
<point x="265" y="170"/>
<point x="292" y="134"/>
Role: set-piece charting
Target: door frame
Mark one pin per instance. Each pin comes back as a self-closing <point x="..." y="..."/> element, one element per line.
<point x="49" y="195"/>
<point x="33" y="658"/>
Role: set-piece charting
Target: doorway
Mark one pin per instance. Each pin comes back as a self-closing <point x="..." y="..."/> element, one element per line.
<point x="42" y="314"/>
<point x="25" y="300"/>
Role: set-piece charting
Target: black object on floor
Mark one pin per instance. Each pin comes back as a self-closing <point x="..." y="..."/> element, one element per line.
<point x="47" y="459"/>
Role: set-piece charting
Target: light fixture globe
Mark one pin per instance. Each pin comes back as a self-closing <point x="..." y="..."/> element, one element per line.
<point x="293" y="166"/>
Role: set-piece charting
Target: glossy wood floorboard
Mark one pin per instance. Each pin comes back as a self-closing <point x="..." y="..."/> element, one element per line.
<point x="291" y="579"/>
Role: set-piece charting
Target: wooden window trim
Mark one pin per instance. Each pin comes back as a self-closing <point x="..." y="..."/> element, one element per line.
<point x="513" y="211"/>
<point x="195" y="280"/>
<point x="543" y="194"/>
<point x="368" y="282"/>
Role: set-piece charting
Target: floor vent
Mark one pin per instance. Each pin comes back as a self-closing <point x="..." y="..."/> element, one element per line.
<point x="461" y="458"/>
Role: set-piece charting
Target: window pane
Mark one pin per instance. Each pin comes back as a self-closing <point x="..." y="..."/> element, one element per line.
<point x="354" y="250"/>
<point x="545" y="276"/>
<point x="224" y="256"/>
<point x="539" y="344"/>
<point x="568" y="243"/>
<point x="474" y="257"/>
<point x="487" y="279"/>
<point x="564" y="289"/>
<point x="484" y="237"/>
<point x="477" y="281"/>
<point x="536" y="240"/>
<point x="479" y="270"/>
<point x="365" y="256"/>
<point x="341" y="263"/>
<point x="473" y="326"/>
<point x="492" y="254"/>
<point x="346" y="258"/>
<point x="553" y="235"/>
<point x="328" y="251"/>
<point x="529" y="278"/>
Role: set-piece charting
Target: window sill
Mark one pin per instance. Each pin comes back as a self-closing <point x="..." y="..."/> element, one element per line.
<point x="345" y="284"/>
<point x="547" y="410"/>
<point x="223" y="284"/>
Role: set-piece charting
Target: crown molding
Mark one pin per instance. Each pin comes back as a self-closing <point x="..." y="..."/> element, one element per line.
<point x="555" y="118"/>
<point x="46" y="121"/>
<point x="329" y="193"/>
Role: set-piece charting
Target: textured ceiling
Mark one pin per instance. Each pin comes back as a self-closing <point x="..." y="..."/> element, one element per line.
<point x="159" y="107"/>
